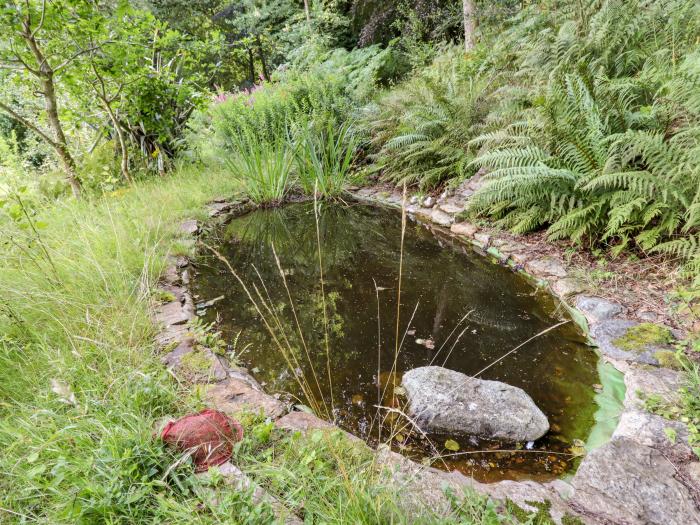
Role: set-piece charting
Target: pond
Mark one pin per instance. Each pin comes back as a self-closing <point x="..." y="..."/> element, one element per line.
<point x="458" y="309"/>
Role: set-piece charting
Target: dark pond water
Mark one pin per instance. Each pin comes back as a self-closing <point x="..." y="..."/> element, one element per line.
<point x="442" y="281"/>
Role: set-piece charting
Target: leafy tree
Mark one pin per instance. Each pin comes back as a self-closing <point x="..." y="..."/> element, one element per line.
<point x="44" y="43"/>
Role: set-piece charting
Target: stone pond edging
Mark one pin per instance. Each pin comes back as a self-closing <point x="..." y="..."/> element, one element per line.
<point x="638" y="477"/>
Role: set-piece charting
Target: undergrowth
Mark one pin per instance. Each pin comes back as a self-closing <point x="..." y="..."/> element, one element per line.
<point x="83" y="391"/>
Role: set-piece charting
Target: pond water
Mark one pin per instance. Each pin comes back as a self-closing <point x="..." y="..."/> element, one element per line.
<point x="442" y="282"/>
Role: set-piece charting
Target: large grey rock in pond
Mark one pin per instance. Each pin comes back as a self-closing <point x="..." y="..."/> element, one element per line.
<point x="626" y="482"/>
<point x="449" y="402"/>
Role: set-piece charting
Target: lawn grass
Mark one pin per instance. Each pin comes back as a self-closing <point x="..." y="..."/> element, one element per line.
<point x="82" y="389"/>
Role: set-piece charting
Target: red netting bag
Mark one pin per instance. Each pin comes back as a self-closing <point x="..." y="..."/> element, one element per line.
<point x="208" y="435"/>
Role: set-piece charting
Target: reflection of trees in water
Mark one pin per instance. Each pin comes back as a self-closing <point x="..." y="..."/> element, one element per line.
<point x="292" y="231"/>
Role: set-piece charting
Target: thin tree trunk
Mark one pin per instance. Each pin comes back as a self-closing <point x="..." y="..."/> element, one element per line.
<point x="107" y="102"/>
<point x="307" y="11"/>
<point x="45" y="74"/>
<point x="124" y="167"/>
<point x="469" y="11"/>
<point x="266" y="76"/>
<point x="251" y="66"/>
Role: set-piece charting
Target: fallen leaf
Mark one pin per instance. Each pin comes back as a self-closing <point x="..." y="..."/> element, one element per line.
<point x="63" y="391"/>
<point x="452" y="445"/>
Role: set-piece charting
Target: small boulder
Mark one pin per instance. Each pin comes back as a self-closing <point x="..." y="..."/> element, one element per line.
<point x="449" y="402"/>
<point x="596" y="309"/>
<point x="441" y="218"/>
<point x="631" y="341"/>
<point x="627" y="482"/>
<point x="428" y="202"/>
<point x="465" y="229"/>
<point x="546" y="267"/>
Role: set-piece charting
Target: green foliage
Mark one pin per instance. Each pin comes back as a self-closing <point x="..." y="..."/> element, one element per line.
<point x="603" y="144"/>
<point x="325" y="159"/>
<point x="262" y="167"/>
<point x="420" y="131"/>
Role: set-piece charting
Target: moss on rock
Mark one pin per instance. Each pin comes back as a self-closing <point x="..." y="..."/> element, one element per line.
<point x="640" y="337"/>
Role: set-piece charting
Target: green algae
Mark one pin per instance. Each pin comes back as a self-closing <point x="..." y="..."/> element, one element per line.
<point x="644" y="335"/>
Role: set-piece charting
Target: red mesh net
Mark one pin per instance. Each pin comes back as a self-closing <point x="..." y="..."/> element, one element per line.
<point x="209" y="436"/>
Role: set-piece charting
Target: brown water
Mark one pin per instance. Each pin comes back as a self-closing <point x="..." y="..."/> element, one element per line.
<point x="360" y="249"/>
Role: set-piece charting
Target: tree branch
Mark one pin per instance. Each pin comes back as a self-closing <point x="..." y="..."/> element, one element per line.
<point x="19" y="118"/>
<point x="79" y="53"/>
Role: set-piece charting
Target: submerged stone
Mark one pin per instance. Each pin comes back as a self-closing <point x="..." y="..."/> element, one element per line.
<point x="446" y="401"/>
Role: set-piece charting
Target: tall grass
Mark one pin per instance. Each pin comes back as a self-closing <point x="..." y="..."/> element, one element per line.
<point x="325" y="159"/>
<point x="262" y="167"/>
<point x="82" y="390"/>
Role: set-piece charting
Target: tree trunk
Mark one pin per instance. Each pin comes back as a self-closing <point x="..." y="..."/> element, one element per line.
<point x="45" y="74"/>
<point x="469" y="11"/>
<point x="124" y="167"/>
<point x="251" y="66"/>
<point x="307" y="12"/>
<point x="266" y="75"/>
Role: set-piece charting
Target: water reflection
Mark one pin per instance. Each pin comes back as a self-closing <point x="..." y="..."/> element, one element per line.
<point x="360" y="253"/>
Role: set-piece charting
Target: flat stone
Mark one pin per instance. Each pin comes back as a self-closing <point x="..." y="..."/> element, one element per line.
<point x="546" y="267"/>
<point x="482" y="238"/>
<point x="171" y="275"/>
<point x="424" y="214"/>
<point x="596" y="309"/>
<point x="642" y="381"/>
<point x="568" y="286"/>
<point x="464" y="229"/>
<point x="171" y="335"/>
<point x="451" y="208"/>
<point x="240" y="482"/>
<point x="172" y="359"/>
<point x="518" y="257"/>
<point x="235" y="396"/>
<point x="625" y="482"/>
<point x="441" y="218"/>
<point x="190" y="227"/>
<point x="420" y="489"/>
<point x="526" y="493"/>
<point x="303" y="422"/>
<point x="448" y="402"/>
<point x="171" y="313"/>
<point x="218" y="208"/>
<point x="606" y="333"/>
<point x="650" y="430"/>
<point x="395" y="198"/>
<point x="205" y="366"/>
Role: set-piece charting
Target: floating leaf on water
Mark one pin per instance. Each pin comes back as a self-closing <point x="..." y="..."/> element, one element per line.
<point x="578" y="451"/>
<point x="358" y="399"/>
<point x="452" y="445"/>
<point x="400" y="438"/>
<point x="399" y="391"/>
<point x="389" y="378"/>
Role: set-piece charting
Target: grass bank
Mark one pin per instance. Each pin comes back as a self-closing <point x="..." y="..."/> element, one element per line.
<point x="82" y="387"/>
